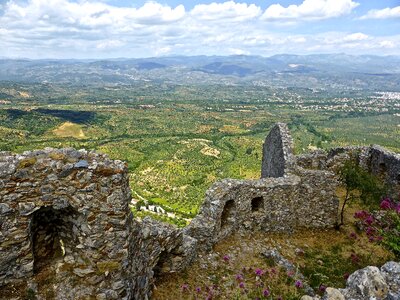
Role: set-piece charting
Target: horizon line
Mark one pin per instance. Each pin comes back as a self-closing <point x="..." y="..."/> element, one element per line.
<point x="200" y="55"/>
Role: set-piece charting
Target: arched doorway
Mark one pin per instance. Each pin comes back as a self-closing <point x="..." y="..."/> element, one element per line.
<point x="52" y="235"/>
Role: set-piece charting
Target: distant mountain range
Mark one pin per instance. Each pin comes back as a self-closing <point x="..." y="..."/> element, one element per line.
<point x="322" y="70"/>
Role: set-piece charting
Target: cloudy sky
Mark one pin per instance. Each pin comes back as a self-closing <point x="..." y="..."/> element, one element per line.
<point x="130" y="28"/>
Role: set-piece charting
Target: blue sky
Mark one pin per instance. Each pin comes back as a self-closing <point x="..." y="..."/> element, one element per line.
<point x="128" y="28"/>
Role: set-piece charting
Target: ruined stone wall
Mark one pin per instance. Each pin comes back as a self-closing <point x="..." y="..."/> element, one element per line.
<point x="305" y="200"/>
<point x="65" y="213"/>
<point x="158" y="249"/>
<point x="375" y="159"/>
<point x="386" y="164"/>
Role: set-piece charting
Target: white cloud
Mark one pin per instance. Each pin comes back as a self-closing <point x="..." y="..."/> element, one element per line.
<point x="387" y="44"/>
<point x="96" y="29"/>
<point x="354" y="37"/>
<point x="236" y="51"/>
<point x="226" y="10"/>
<point x="310" y="10"/>
<point x="298" y="39"/>
<point x="109" y="44"/>
<point x="385" y="13"/>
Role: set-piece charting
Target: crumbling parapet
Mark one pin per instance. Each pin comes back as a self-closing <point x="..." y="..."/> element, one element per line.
<point x="386" y="164"/>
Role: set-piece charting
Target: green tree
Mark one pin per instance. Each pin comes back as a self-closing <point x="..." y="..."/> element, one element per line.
<point x="360" y="185"/>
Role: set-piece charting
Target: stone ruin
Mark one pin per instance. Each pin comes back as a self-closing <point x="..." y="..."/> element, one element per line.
<point x="65" y="215"/>
<point x="67" y="232"/>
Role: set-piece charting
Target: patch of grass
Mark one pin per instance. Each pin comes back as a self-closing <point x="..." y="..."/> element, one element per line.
<point x="69" y="129"/>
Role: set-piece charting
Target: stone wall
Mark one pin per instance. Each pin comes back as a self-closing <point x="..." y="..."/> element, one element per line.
<point x="287" y="197"/>
<point x="65" y="213"/>
<point x="374" y="159"/>
<point x="158" y="249"/>
<point x="305" y="199"/>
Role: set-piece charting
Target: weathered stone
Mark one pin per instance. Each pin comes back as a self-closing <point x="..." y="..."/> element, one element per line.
<point x="40" y="204"/>
<point x="82" y="272"/>
<point x="391" y="273"/>
<point x="66" y="170"/>
<point x="368" y="283"/>
<point x="4" y="208"/>
<point x="27" y="162"/>
<point x="277" y="152"/>
<point x="6" y="168"/>
<point x="332" y="294"/>
<point x="101" y="296"/>
<point x="109" y="266"/>
<point x="82" y="164"/>
<point x="26" y="208"/>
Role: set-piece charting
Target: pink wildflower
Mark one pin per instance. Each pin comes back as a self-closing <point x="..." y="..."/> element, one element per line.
<point x="239" y="277"/>
<point x="369" y="220"/>
<point x="185" y="287"/>
<point x="298" y="284"/>
<point x="266" y="293"/>
<point x="226" y="258"/>
<point x="386" y="204"/>
<point x="259" y="272"/>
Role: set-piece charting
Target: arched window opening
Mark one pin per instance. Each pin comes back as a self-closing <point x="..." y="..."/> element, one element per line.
<point x="228" y="213"/>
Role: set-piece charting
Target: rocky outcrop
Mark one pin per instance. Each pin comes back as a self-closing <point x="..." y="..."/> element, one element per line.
<point x="368" y="283"/>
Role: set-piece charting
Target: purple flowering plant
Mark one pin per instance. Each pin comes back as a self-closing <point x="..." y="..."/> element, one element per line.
<point x="383" y="226"/>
